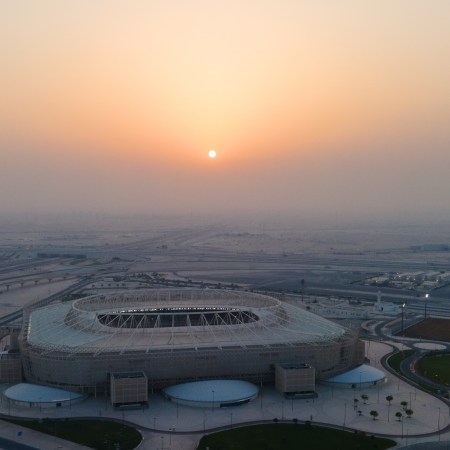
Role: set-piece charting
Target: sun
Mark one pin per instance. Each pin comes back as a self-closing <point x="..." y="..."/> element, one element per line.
<point x="212" y="154"/>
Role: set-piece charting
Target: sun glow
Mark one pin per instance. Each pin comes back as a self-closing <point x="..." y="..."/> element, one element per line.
<point x="212" y="154"/>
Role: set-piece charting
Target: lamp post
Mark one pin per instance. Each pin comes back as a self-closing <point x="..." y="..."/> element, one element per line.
<point x="282" y="410"/>
<point x="403" y="309"/>
<point x="439" y="425"/>
<point x="154" y="423"/>
<point x="401" y="418"/>
<point x="345" y="414"/>
<point x="425" y="307"/>
<point x="212" y="409"/>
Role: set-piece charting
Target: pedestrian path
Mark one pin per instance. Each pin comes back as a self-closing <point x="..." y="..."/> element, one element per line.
<point x="179" y="427"/>
<point x="21" y="438"/>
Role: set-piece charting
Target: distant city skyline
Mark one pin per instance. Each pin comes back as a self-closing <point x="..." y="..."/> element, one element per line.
<point x="318" y="108"/>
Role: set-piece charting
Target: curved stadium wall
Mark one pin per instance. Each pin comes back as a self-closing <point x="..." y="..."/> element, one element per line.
<point x="177" y="336"/>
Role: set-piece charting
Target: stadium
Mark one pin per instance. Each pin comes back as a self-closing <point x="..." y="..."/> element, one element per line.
<point x="173" y="336"/>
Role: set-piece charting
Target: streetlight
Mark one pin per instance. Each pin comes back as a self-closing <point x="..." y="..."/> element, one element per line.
<point x="425" y="308"/>
<point x="231" y="420"/>
<point x="345" y="414"/>
<point x="403" y="309"/>
<point x="154" y="423"/>
<point x="282" y="410"/>
<point x="439" y="424"/>
<point x="162" y="442"/>
<point x="212" y="409"/>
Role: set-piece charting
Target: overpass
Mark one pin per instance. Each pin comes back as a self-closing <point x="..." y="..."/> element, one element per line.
<point x="16" y="315"/>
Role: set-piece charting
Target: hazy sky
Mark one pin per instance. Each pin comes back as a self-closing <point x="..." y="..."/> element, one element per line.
<point x="312" y="106"/>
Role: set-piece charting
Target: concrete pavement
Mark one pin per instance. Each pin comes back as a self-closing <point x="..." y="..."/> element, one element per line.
<point x="164" y="424"/>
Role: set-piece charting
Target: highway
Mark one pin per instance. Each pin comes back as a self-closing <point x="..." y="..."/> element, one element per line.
<point x="14" y="316"/>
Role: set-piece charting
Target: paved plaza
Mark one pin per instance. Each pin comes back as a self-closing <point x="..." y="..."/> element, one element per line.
<point x="180" y="427"/>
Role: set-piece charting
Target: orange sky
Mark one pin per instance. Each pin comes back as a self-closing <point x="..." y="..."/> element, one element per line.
<point x="147" y="88"/>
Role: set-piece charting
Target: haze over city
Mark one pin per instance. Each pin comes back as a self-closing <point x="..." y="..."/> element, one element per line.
<point x="221" y="215"/>
<point x="313" y="108"/>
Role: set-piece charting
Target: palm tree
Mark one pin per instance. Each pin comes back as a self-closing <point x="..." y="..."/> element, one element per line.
<point x="404" y="403"/>
<point x="399" y="415"/>
<point x="409" y="412"/>
<point x="389" y="398"/>
<point x="365" y="397"/>
<point x="374" y="414"/>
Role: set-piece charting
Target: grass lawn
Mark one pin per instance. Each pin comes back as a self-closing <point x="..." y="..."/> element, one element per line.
<point x="395" y="360"/>
<point x="98" y="434"/>
<point x="291" y="437"/>
<point x="436" y="368"/>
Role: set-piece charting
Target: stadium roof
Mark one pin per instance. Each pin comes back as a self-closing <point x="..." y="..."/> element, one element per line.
<point x="176" y="319"/>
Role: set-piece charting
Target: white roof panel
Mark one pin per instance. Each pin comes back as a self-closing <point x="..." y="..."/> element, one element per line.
<point x="220" y="391"/>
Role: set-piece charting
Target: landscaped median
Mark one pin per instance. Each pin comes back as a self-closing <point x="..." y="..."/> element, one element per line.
<point x="96" y="434"/>
<point x="291" y="437"/>
<point x="433" y="366"/>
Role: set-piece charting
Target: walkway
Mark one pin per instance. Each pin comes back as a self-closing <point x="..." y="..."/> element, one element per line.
<point x="180" y="427"/>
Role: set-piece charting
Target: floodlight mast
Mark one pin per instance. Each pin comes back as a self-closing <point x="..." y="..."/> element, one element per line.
<point x="425" y="307"/>
<point x="403" y="310"/>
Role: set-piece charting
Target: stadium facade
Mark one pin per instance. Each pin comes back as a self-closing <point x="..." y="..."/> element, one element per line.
<point x="178" y="336"/>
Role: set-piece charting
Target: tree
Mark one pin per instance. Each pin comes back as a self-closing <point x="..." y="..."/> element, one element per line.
<point x="399" y="415"/>
<point x="374" y="414"/>
<point x="409" y="413"/>
<point x="389" y="398"/>
<point x="365" y="397"/>
<point x="355" y="403"/>
<point x="404" y="403"/>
